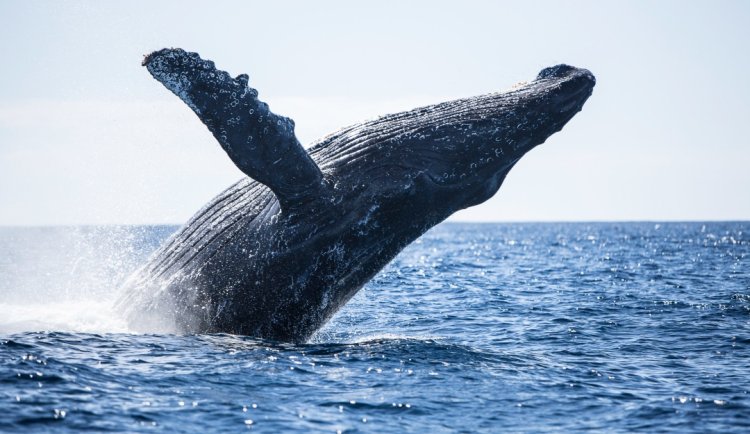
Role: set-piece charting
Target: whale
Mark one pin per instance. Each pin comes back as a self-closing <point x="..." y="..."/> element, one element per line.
<point x="278" y="253"/>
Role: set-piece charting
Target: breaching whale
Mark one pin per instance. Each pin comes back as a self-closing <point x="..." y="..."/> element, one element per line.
<point x="278" y="253"/>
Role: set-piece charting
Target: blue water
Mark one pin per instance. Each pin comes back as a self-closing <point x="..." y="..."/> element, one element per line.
<point x="615" y="327"/>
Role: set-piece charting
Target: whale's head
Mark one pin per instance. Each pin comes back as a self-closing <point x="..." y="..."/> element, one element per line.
<point x="460" y="150"/>
<point x="480" y="139"/>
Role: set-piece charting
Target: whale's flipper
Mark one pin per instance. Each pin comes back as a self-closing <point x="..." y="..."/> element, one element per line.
<point x="260" y="143"/>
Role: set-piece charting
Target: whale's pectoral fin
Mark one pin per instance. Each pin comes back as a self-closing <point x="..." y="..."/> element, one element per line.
<point x="261" y="143"/>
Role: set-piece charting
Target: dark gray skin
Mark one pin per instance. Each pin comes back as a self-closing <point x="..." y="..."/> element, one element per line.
<point x="278" y="253"/>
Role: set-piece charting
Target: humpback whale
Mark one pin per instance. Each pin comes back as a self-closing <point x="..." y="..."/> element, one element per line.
<point x="275" y="255"/>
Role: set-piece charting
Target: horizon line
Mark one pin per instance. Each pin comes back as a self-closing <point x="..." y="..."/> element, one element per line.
<point x="480" y="222"/>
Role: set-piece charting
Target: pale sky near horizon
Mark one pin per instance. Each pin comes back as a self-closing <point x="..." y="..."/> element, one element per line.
<point x="88" y="137"/>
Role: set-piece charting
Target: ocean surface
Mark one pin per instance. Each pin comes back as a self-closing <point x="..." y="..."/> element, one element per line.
<point x="607" y="327"/>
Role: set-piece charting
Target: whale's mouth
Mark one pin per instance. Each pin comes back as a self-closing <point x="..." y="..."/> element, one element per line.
<point x="557" y="94"/>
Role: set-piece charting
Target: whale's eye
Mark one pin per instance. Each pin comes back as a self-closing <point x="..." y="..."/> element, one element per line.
<point x="556" y="71"/>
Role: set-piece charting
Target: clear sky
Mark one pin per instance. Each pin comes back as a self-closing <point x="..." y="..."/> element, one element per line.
<point x="87" y="136"/>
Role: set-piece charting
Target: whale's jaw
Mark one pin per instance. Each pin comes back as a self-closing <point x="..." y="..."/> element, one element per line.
<point x="464" y="147"/>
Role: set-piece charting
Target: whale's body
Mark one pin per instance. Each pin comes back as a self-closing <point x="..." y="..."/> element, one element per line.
<point x="279" y="252"/>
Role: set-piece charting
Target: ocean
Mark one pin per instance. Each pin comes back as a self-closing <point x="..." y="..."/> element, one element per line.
<point x="528" y="327"/>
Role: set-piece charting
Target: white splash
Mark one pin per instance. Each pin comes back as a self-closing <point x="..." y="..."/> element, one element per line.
<point x="67" y="278"/>
<point x="85" y="316"/>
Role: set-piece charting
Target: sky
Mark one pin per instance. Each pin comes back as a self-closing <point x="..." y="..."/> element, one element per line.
<point x="88" y="137"/>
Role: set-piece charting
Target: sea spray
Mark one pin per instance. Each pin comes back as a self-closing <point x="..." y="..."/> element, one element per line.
<point x="66" y="278"/>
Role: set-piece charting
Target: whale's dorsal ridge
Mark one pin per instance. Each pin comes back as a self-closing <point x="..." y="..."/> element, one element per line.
<point x="260" y="143"/>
